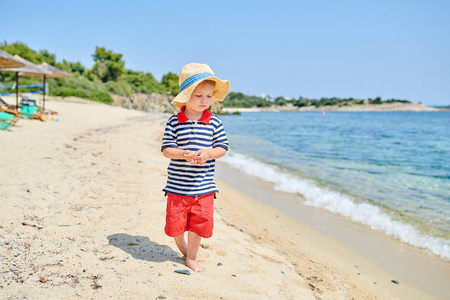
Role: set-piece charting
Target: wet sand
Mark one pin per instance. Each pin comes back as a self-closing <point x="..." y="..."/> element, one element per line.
<point x="403" y="262"/>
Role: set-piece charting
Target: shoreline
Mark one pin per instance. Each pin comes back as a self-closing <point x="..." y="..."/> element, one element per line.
<point x="83" y="216"/>
<point x="377" y="252"/>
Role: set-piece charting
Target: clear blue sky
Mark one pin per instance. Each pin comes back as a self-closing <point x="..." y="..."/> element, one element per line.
<point x="362" y="49"/>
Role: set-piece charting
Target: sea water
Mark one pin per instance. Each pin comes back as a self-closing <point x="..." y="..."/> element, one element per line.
<point x="387" y="170"/>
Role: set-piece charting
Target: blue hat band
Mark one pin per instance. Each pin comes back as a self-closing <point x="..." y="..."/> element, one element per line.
<point x="194" y="78"/>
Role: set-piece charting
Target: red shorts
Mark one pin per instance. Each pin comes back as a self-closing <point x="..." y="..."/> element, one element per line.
<point x="190" y="213"/>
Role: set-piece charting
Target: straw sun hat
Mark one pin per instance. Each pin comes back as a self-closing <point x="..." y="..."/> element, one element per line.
<point x="191" y="75"/>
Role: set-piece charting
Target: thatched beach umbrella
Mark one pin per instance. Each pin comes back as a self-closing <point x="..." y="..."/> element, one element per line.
<point x="29" y="70"/>
<point x="54" y="73"/>
<point x="8" y="61"/>
<point x="50" y="72"/>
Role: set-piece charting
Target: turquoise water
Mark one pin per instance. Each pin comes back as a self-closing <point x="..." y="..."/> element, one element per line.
<point x="388" y="170"/>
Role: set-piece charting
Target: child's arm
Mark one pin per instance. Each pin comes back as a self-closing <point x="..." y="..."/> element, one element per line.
<point x="175" y="153"/>
<point x="203" y="155"/>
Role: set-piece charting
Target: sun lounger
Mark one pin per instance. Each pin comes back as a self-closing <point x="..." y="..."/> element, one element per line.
<point x="26" y="111"/>
<point x="16" y="113"/>
<point x="32" y="103"/>
<point x="29" y="110"/>
<point x="6" y="105"/>
<point x="5" y="124"/>
<point x="7" y="108"/>
<point x="6" y="120"/>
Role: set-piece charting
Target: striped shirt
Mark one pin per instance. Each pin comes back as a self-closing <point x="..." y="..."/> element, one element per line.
<point x="206" y="133"/>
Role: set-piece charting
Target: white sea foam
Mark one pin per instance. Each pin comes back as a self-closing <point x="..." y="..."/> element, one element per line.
<point x="336" y="202"/>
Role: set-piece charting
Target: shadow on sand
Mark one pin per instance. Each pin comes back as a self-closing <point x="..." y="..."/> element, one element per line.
<point x="141" y="247"/>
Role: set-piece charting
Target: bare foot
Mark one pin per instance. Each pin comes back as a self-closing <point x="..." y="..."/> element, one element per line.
<point x="193" y="264"/>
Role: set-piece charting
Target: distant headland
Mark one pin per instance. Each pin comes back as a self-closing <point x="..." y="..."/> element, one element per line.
<point x="385" y="107"/>
<point x="238" y="102"/>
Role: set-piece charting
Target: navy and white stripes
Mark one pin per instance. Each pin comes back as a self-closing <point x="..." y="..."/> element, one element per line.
<point x="184" y="178"/>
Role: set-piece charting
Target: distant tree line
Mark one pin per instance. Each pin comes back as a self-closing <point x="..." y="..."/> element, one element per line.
<point x="241" y="100"/>
<point x="109" y="76"/>
<point x="334" y="101"/>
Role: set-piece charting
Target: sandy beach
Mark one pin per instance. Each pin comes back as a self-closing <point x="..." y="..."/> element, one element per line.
<point x="82" y="217"/>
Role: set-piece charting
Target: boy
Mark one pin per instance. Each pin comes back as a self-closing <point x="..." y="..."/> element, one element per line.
<point x="193" y="140"/>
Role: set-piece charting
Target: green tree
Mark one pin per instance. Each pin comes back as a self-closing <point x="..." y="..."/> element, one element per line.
<point x="48" y="57"/>
<point x="70" y="67"/>
<point x="170" y="83"/>
<point x="280" y="101"/>
<point x="301" y="102"/>
<point x="260" y="103"/>
<point x="108" y="65"/>
<point x="377" y="100"/>
<point x="236" y="96"/>
<point x="23" y="51"/>
<point x="143" y="82"/>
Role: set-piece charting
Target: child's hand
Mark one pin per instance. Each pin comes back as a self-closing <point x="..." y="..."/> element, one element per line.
<point x="189" y="156"/>
<point x="202" y="156"/>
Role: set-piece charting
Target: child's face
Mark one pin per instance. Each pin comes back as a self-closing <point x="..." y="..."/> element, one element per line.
<point x="201" y="98"/>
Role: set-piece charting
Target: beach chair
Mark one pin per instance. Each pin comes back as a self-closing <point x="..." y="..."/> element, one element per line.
<point x="29" y="111"/>
<point x="7" y="120"/>
<point x="6" y="105"/>
<point x="32" y="112"/>
<point x="5" y="124"/>
<point x="18" y="114"/>
<point x="26" y="111"/>
<point x="10" y="109"/>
